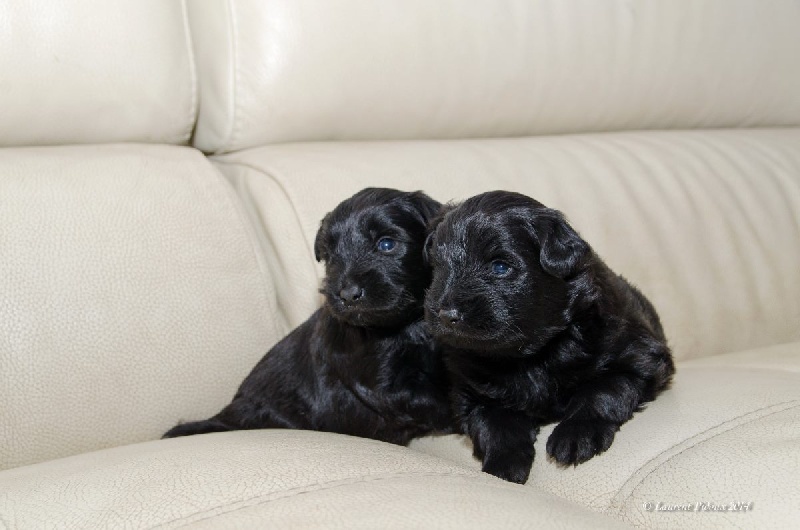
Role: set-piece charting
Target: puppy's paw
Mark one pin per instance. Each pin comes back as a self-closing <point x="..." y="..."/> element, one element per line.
<point x="573" y="442"/>
<point x="514" y="468"/>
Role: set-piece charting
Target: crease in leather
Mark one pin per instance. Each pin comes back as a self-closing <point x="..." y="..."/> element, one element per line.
<point x="194" y="80"/>
<point x="258" y="500"/>
<point x="611" y="157"/>
<point x="264" y="240"/>
<point x="733" y="235"/>
<point x="743" y="366"/>
<point x="734" y="197"/>
<point x="617" y="506"/>
<point x="289" y="200"/>
<point x="749" y="219"/>
<point x="241" y="217"/>
<point x="775" y="345"/>
<point x="234" y="77"/>
<point x="777" y="166"/>
<point x="725" y="156"/>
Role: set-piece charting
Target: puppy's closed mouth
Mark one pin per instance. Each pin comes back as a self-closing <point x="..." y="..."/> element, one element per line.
<point x="474" y="339"/>
<point x="366" y="316"/>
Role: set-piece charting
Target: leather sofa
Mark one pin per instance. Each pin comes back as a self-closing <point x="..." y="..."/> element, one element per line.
<point x="164" y="167"/>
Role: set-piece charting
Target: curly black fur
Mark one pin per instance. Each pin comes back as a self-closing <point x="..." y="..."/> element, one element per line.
<point x="537" y="329"/>
<point x="364" y="364"/>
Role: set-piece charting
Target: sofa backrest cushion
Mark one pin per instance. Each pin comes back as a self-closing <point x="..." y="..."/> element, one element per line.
<point x="705" y="223"/>
<point x="93" y="71"/>
<point x="305" y="70"/>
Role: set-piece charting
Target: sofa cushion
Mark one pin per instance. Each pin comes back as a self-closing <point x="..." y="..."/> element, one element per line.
<point x="304" y="70"/>
<point x="93" y="71"/>
<point x="726" y="432"/>
<point x="705" y="222"/>
<point x="275" y="479"/>
<point x="131" y="296"/>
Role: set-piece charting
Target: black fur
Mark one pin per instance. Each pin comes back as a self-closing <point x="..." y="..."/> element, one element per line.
<point x="364" y="364"/>
<point x="557" y="337"/>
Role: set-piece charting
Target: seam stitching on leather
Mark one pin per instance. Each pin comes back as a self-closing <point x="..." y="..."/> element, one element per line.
<point x="193" y="104"/>
<point x="301" y="490"/>
<point x="731" y="424"/>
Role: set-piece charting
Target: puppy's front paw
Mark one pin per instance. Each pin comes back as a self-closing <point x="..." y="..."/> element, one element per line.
<point x="513" y="468"/>
<point x="573" y="442"/>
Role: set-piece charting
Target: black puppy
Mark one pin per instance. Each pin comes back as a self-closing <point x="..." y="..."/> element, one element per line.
<point x="538" y="329"/>
<point x="363" y="364"/>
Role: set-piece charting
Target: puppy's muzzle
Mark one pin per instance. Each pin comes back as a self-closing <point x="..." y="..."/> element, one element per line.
<point x="450" y="318"/>
<point x="351" y="294"/>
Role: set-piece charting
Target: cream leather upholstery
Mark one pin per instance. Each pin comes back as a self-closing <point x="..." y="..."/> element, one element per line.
<point x="139" y="283"/>
<point x="131" y="296"/>
<point x="93" y="71"/>
<point x="273" y="478"/>
<point x="305" y="70"/>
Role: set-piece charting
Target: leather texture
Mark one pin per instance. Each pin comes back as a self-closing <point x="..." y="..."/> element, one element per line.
<point x="727" y="431"/>
<point x="93" y="71"/>
<point x="276" y="479"/>
<point x="132" y="296"/>
<point x="706" y="223"/>
<point x="305" y="70"/>
<point x="140" y="283"/>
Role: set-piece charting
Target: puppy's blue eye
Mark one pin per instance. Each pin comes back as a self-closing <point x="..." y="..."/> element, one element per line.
<point x="500" y="268"/>
<point x="386" y="244"/>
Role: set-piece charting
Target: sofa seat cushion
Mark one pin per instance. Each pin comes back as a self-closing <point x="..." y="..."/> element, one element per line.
<point x="704" y="222"/>
<point x="727" y="431"/>
<point x="275" y="479"/>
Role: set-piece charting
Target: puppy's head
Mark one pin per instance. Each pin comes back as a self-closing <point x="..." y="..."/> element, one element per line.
<point x="371" y="243"/>
<point x="501" y="269"/>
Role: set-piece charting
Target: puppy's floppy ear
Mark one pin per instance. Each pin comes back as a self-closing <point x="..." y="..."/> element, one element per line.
<point x="426" y="249"/>
<point x="561" y="249"/>
<point x="431" y="229"/>
<point x="424" y="207"/>
<point x="320" y="246"/>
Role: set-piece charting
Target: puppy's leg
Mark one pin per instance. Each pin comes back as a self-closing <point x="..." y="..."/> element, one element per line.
<point x="197" y="427"/>
<point x="596" y="412"/>
<point x="583" y="434"/>
<point x="239" y="415"/>
<point x="503" y="439"/>
<point x="229" y="419"/>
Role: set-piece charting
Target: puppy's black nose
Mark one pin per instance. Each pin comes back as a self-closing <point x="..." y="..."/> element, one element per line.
<point x="450" y="317"/>
<point x="351" y="294"/>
